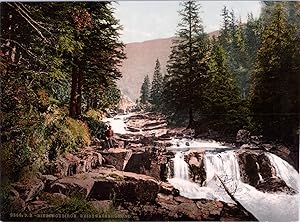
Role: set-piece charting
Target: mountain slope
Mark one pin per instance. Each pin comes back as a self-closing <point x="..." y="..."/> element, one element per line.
<point x="141" y="57"/>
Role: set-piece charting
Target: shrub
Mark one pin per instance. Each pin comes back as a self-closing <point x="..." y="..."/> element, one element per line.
<point x="96" y="127"/>
<point x="36" y="139"/>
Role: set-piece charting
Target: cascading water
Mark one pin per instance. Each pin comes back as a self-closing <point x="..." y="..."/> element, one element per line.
<point x="284" y="171"/>
<point x="181" y="168"/>
<point x="265" y="206"/>
<point x="222" y="164"/>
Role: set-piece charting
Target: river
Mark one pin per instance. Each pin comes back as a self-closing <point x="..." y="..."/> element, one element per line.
<point x="221" y="160"/>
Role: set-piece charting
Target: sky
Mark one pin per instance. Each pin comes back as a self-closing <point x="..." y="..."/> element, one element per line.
<point x="146" y="20"/>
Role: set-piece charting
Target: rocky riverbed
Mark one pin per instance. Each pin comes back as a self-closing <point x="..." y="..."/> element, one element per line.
<point x="132" y="178"/>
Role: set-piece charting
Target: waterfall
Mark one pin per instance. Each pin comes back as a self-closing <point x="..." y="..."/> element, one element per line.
<point x="181" y="168"/>
<point x="284" y="171"/>
<point x="264" y="206"/>
<point x="224" y="164"/>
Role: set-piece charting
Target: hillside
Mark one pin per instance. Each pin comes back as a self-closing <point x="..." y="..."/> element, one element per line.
<point x="141" y="57"/>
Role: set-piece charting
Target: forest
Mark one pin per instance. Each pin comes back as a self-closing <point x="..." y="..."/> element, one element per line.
<point x="246" y="77"/>
<point x="60" y="63"/>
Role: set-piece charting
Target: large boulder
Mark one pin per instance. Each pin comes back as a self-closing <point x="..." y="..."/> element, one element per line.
<point x="195" y="161"/>
<point x="73" y="163"/>
<point x="125" y="186"/>
<point x="254" y="166"/>
<point x="138" y="163"/>
<point x="78" y="185"/>
<point x="116" y="157"/>
<point x="89" y="159"/>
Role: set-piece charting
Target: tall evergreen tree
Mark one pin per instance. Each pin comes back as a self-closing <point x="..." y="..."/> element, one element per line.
<point x="221" y="94"/>
<point x="187" y="65"/>
<point x="145" y="91"/>
<point x="276" y="80"/>
<point x="156" y="86"/>
<point x="233" y="41"/>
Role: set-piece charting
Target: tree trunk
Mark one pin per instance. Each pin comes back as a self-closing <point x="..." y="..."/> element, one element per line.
<point x="79" y="94"/>
<point x="73" y="110"/>
<point x="191" y="118"/>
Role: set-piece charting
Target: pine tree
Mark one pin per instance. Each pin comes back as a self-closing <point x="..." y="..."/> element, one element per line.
<point x="145" y="91"/>
<point x="233" y="40"/>
<point x="276" y="80"/>
<point x="221" y="94"/>
<point x="187" y="65"/>
<point x="156" y="86"/>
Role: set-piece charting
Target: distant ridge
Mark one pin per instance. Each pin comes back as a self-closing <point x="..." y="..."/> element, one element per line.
<point x="141" y="57"/>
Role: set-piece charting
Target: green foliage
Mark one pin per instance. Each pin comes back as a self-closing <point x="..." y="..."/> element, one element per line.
<point x="36" y="140"/>
<point x="41" y="56"/>
<point x="156" y="87"/>
<point x="96" y="127"/>
<point x="145" y="91"/>
<point x="76" y="206"/>
<point x="187" y="65"/>
<point x="275" y="81"/>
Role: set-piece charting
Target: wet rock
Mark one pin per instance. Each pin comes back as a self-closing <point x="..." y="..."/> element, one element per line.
<point x="248" y="167"/>
<point x="195" y="161"/>
<point x="188" y="132"/>
<point x="132" y="129"/>
<point x="275" y="185"/>
<point x="254" y="164"/>
<point x="165" y="188"/>
<point x="257" y="140"/>
<point x="265" y="167"/>
<point x="175" y="132"/>
<point x="267" y="147"/>
<point x="249" y="146"/>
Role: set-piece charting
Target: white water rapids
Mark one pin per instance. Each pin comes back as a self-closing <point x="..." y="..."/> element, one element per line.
<point x="220" y="160"/>
<point x="265" y="206"/>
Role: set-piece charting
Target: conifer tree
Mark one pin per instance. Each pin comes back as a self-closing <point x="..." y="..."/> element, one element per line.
<point x="276" y="79"/>
<point x="187" y="65"/>
<point x="221" y="92"/>
<point x="145" y="91"/>
<point x="156" y="86"/>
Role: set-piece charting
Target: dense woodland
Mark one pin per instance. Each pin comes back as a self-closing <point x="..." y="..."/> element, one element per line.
<point x="246" y="77"/>
<point x="59" y="65"/>
<point x="57" y="69"/>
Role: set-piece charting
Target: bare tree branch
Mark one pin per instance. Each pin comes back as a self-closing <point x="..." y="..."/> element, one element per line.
<point x="26" y="50"/>
<point x="234" y="199"/>
<point x="35" y="22"/>
<point x="33" y="26"/>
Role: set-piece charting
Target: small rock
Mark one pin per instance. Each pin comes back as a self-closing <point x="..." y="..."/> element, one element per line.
<point x="243" y="136"/>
